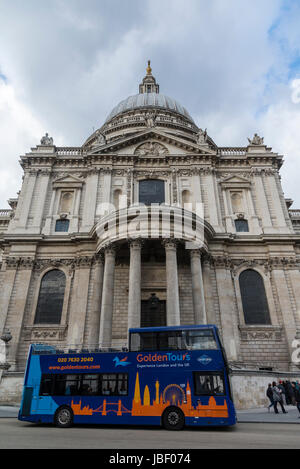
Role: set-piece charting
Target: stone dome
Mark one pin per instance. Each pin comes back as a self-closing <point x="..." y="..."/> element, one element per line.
<point x="149" y="100"/>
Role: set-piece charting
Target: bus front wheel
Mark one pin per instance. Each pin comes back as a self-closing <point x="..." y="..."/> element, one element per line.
<point x="63" y="417"/>
<point x="173" y="419"/>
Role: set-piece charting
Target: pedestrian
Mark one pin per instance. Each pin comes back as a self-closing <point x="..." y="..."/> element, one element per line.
<point x="277" y="398"/>
<point x="282" y="388"/>
<point x="269" y="394"/>
<point x="291" y="393"/>
<point x="297" y="397"/>
<point x="287" y="395"/>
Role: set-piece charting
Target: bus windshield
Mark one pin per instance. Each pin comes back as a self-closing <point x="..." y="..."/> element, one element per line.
<point x="185" y="339"/>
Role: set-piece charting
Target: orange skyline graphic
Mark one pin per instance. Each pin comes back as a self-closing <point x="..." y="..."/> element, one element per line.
<point x="173" y="394"/>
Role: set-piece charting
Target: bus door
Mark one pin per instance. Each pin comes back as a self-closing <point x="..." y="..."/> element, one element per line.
<point x="27" y="400"/>
<point x="43" y="400"/>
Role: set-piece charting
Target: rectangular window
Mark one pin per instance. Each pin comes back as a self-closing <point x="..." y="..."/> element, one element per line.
<point x="209" y="384"/>
<point x="115" y="384"/>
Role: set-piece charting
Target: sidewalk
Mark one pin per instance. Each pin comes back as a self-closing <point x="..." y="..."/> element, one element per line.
<point x="261" y="415"/>
<point x="8" y="411"/>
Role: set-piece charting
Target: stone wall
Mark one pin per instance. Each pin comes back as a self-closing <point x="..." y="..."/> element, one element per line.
<point x="249" y="387"/>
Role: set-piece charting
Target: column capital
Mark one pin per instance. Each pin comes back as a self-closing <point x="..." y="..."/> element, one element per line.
<point x="135" y="243"/>
<point x="98" y="258"/>
<point x="110" y="250"/>
<point x="170" y="243"/>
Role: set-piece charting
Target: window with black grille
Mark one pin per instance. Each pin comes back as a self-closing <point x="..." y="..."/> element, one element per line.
<point x="151" y="191"/>
<point x="241" y="225"/>
<point x="254" y="300"/>
<point x="62" y="225"/>
<point x="153" y="312"/>
<point x="51" y="298"/>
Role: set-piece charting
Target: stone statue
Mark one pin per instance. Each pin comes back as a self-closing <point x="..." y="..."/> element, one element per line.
<point x="256" y="140"/>
<point x="100" y="138"/>
<point x="201" y="136"/>
<point x="150" y="119"/>
<point x="46" y="140"/>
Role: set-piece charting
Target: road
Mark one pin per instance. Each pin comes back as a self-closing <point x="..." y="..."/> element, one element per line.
<point x="23" y="435"/>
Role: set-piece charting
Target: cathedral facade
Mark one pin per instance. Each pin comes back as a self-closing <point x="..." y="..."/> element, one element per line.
<point x="150" y="223"/>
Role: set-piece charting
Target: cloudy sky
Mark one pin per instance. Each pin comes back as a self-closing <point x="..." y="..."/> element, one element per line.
<point x="64" y="64"/>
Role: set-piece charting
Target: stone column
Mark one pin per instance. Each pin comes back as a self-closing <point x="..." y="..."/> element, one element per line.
<point x="226" y="294"/>
<point x="79" y="301"/>
<point x="134" y="295"/>
<point x="94" y="323"/>
<point x="89" y="209"/>
<point x="16" y="310"/>
<point x="262" y="202"/>
<point x="107" y="298"/>
<point x="18" y="224"/>
<point x="197" y="287"/>
<point x="289" y="322"/>
<point x="43" y="179"/>
<point x="208" y="291"/>
<point x="173" y="310"/>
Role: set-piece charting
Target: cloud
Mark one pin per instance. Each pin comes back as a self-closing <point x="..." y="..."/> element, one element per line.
<point x="230" y="63"/>
<point x="18" y="129"/>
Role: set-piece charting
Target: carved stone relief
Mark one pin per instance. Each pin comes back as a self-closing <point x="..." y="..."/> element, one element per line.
<point x="152" y="149"/>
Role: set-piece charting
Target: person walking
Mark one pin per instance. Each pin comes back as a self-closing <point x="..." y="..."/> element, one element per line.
<point x="282" y="388"/>
<point x="290" y="391"/>
<point x="297" y="396"/>
<point x="277" y="398"/>
<point x="269" y="394"/>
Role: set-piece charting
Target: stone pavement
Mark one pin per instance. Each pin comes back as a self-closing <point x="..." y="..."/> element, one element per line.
<point x="8" y="411"/>
<point x="261" y="415"/>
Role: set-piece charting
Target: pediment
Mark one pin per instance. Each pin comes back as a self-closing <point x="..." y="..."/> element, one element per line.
<point x="69" y="181"/>
<point x="162" y="144"/>
<point x="235" y="181"/>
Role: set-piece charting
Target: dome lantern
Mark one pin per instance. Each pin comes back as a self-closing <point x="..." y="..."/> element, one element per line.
<point x="149" y="84"/>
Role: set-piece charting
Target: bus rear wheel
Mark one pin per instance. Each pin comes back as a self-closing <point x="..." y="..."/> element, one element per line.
<point x="173" y="419"/>
<point x="63" y="417"/>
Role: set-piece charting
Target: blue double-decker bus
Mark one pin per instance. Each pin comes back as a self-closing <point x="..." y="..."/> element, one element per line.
<point x="170" y="376"/>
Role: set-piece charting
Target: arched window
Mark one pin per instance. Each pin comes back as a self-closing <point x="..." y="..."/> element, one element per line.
<point x="254" y="300"/>
<point x="51" y="298"/>
<point x="241" y="225"/>
<point x="151" y="191"/>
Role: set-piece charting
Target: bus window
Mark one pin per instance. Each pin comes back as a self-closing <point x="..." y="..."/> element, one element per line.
<point x="186" y="339"/>
<point x="199" y="340"/>
<point x="209" y="384"/>
<point x="66" y="385"/>
<point x="143" y="341"/>
<point x="171" y="340"/>
<point x="114" y="384"/>
<point x="89" y="385"/>
<point x="46" y="385"/>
